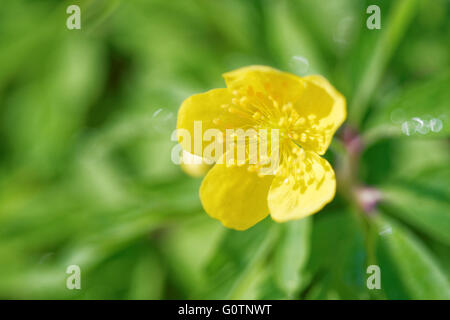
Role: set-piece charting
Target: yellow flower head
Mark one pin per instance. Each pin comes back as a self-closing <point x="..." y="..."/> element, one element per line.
<point x="305" y="111"/>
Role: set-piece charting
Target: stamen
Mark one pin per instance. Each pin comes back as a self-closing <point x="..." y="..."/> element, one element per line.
<point x="256" y="116"/>
<point x="232" y="110"/>
<point x="282" y="121"/>
<point x="300" y="122"/>
<point x="303" y="137"/>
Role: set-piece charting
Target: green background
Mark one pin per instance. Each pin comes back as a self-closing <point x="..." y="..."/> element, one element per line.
<point x="85" y="171"/>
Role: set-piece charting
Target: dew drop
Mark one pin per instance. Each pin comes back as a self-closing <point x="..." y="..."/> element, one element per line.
<point x="45" y="257"/>
<point x="162" y="120"/>
<point x="155" y="114"/>
<point x="436" y="125"/>
<point x="385" y="231"/>
<point x="343" y="31"/>
<point x="299" y="65"/>
<point x="421" y="126"/>
<point x="408" y="128"/>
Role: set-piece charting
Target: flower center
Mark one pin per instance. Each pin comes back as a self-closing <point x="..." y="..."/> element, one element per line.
<point x="258" y="110"/>
<point x="262" y="111"/>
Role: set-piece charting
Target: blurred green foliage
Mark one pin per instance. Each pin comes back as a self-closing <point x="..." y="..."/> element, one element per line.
<point x="85" y="170"/>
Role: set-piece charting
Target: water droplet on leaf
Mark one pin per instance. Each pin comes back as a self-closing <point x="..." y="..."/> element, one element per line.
<point x="299" y="65"/>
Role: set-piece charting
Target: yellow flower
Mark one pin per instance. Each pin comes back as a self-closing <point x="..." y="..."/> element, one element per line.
<point x="306" y="111"/>
<point x="193" y="165"/>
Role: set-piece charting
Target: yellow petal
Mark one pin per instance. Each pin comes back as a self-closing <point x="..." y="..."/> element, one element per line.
<point x="193" y="165"/>
<point x="323" y="110"/>
<point x="306" y="185"/>
<point x="235" y="196"/>
<point x="211" y="110"/>
<point x="313" y="108"/>
<point x="281" y="86"/>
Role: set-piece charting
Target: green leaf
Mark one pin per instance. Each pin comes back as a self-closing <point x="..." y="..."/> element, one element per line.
<point x="323" y="290"/>
<point x="291" y="254"/>
<point x="338" y="32"/>
<point x="237" y="258"/>
<point x="443" y="252"/>
<point x="391" y="160"/>
<point x="435" y="179"/>
<point x="425" y="208"/>
<point x="420" y="110"/>
<point x="397" y="22"/>
<point x="288" y="38"/>
<point x="186" y="252"/>
<point x="338" y="256"/>
<point x="233" y="13"/>
<point x="148" y="276"/>
<point x="416" y="269"/>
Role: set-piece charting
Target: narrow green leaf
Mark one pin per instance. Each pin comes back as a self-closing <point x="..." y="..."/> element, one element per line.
<point x="399" y="18"/>
<point x="338" y="256"/>
<point x="148" y="277"/>
<point x="291" y="254"/>
<point x="239" y="254"/>
<point x="289" y="39"/>
<point x="426" y="209"/>
<point x="416" y="268"/>
<point x="186" y="252"/>
<point x="419" y="110"/>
